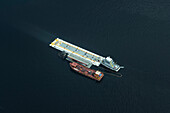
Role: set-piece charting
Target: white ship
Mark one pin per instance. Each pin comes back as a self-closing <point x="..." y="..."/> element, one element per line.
<point x="84" y="56"/>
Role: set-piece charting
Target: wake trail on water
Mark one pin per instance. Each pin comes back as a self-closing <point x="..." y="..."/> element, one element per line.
<point x="35" y="31"/>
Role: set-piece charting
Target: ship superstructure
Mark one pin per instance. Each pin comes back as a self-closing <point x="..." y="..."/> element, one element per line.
<point x="84" y="56"/>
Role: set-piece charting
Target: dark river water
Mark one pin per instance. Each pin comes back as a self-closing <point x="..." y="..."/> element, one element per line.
<point x="136" y="33"/>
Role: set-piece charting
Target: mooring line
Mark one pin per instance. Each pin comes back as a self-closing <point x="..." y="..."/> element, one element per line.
<point x="111" y="72"/>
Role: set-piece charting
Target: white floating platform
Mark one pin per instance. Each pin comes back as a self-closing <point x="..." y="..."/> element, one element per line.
<point x="77" y="51"/>
<point x="86" y="57"/>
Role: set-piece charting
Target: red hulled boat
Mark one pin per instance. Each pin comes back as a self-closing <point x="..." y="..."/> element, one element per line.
<point x="96" y="75"/>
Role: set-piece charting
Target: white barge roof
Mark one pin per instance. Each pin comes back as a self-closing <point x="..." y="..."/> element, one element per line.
<point x="78" y="51"/>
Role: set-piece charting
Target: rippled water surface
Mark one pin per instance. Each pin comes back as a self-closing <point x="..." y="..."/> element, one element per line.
<point x="136" y="33"/>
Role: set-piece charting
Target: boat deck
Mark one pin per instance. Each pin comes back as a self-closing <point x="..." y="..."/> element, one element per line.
<point x="77" y="52"/>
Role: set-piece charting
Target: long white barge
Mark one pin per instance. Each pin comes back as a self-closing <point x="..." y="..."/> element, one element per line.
<point x="86" y="57"/>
